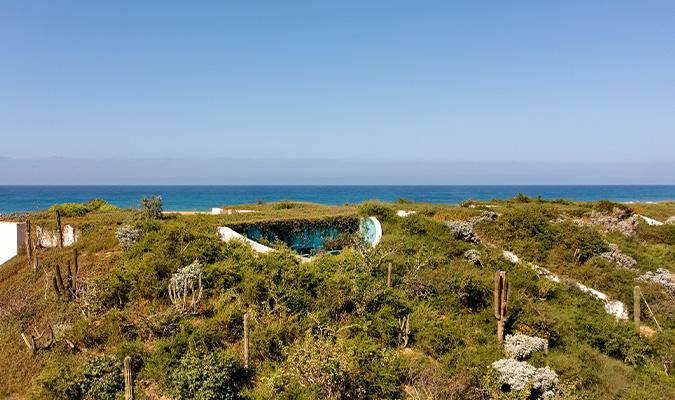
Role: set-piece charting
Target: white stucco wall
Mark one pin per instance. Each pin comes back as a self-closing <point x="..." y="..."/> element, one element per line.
<point x="11" y="240"/>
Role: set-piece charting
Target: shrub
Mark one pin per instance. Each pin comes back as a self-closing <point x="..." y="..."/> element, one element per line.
<point x="377" y="209"/>
<point x="522" y="198"/>
<point x="57" y="380"/>
<point x="152" y="207"/>
<point x="345" y="369"/>
<point x="101" y="378"/>
<point x="127" y="235"/>
<point x="528" y="232"/>
<point x="79" y="209"/>
<point x="607" y="207"/>
<point x="215" y="375"/>
<point x="70" y="209"/>
<point x="584" y="241"/>
<point x="614" y="339"/>
<point x="286" y="205"/>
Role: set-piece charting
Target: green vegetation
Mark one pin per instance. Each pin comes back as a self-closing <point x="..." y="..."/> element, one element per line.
<point x="333" y="328"/>
<point x="80" y="209"/>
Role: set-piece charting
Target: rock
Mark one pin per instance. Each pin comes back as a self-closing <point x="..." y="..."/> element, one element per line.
<point x="473" y="256"/>
<point x="615" y="256"/>
<point x="510" y="256"/>
<point x="519" y="374"/>
<point x="662" y="276"/>
<point x="646" y="331"/>
<point x="671" y="220"/>
<point x="614" y="222"/>
<point x="520" y="346"/>
<point x="463" y="230"/>
<point x="484" y="216"/>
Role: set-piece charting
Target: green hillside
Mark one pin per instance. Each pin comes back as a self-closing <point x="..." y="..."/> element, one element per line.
<point x="332" y="328"/>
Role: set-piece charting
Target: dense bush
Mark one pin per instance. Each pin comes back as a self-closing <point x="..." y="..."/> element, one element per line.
<point x="286" y="205"/>
<point x="98" y="378"/>
<point x="664" y="234"/>
<point x="101" y="378"/>
<point x="338" y="368"/>
<point x="584" y="241"/>
<point x="376" y="209"/>
<point x="528" y="232"/>
<point x="80" y="209"/>
<point x="214" y="375"/>
<point x="614" y="339"/>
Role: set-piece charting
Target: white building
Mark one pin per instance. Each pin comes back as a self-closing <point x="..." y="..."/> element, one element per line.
<point x="11" y="239"/>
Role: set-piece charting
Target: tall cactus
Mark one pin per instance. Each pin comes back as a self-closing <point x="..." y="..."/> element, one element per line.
<point x="501" y="302"/>
<point x="128" y="379"/>
<point x="59" y="230"/>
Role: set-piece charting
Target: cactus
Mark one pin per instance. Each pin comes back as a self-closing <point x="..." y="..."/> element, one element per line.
<point x="70" y="290"/>
<point x="28" y="242"/>
<point x="404" y="331"/>
<point x="389" y="268"/>
<point x="246" y="341"/>
<point x="128" y="379"/>
<point x="187" y="283"/>
<point x="501" y="302"/>
<point x="58" y="229"/>
<point x="33" y="342"/>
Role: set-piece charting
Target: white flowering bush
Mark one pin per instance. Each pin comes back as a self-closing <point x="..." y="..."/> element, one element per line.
<point x="520" y="346"/>
<point x="463" y="231"/>
<point x="127" y="235"/>
<point x="185" y="287"/>
<point x="519" y="375"/>
<point x="473" y="256"/>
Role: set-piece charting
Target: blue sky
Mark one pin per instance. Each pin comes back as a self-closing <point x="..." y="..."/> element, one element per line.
<point x="363" y="92"/>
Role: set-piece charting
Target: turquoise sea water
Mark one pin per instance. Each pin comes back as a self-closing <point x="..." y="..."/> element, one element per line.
<point x="26" y="198"/>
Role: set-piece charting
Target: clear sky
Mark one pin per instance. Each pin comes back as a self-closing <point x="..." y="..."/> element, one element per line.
<point x="337" y="92"/>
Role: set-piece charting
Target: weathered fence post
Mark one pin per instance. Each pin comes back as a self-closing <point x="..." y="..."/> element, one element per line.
<point x="636" y="307"/>
<point x="501" y="302"/>
<point x="128" y="379"/>
<point x="389" y="275"/>
<point x="246" y="315"/>
<point x="58" y="228"/>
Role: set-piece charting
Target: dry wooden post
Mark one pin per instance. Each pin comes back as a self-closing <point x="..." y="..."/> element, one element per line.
<point x="389" y="275"/>
<point x="246" y="315"/>
<point x="636" y="307"/>
<point x="501" y="302"/>
<point x="58" y="228"/>
<point x="128" y="379"/>
<point x="28" y="241"/>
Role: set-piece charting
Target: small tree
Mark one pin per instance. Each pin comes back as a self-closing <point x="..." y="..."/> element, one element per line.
<point x="152" y="206"/>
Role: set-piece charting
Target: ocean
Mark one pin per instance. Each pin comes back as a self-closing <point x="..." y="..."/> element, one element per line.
<point x="202" y="198"/>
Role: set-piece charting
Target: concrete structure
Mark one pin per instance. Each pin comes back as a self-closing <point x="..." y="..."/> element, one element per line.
<point x="227" y="234"/>
<point x="49" y="237"/>
<point x="12" y="239"/>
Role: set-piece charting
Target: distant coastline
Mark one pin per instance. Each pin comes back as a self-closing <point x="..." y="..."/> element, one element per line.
<point x="203" y="198"/>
